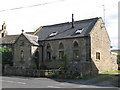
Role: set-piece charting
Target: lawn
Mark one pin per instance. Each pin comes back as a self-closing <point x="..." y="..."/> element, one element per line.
<point x="105" y="75"/>
<point x="112" y="72"/>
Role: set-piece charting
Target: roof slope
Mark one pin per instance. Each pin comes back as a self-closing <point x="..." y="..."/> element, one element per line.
<point x="33" y="39"/>
<point x="65" y="30"/>
<point x="9" y="39"/>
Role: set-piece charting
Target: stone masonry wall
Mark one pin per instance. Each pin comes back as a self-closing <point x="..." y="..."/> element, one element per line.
<point x="82" y="65"/>
<point x="26" y="51"/>
<point x="100" y="42"/>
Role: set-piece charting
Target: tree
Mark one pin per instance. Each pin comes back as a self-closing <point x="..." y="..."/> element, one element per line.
<point x="6" y="54"/>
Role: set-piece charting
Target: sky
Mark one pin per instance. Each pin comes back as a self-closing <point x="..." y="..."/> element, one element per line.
<point x="31" y="14"/>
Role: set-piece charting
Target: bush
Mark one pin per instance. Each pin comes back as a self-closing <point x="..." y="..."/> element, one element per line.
<point x="61" y="68"/>
<point x="52" y="75"/>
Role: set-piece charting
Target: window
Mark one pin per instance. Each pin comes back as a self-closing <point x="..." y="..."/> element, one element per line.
<point x="79" y="31"/>
<point x="61" y="51"/>
<point x="61" y="55"/>
<point x="48" y="46"/>
<point x="76" y="44"/>
<point x="48" y="55"/>
<point x="61" y="46"/>
<point x="48" y="52"/>
<point x="98" y="55"/>
<point x="53" y="34"/>
<point x="22" y="55"/>
<point x="76" y="54"/>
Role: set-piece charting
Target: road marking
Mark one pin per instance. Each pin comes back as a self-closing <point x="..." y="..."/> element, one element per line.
<point x="13" y="82"/>
<point x="53" y="87"/>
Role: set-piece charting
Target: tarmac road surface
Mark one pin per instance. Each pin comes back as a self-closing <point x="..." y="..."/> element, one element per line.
<point x="28" y="82"/>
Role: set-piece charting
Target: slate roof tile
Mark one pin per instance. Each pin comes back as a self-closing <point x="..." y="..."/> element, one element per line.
<point x="65" y="30"/>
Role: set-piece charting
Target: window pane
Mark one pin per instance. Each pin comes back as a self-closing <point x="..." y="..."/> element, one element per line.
<point x="48" y="46"/>
<point x="76" y="54"/>
<point x="22" y="56"/>
<point x="61" y="54"/>
<point x="61" y="46"/>
<point x="75" y="44"/>
<point x="97" y="55"/>
<point x="48" y="56"/>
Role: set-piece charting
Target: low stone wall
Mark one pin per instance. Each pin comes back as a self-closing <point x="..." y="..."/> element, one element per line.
<point x="19" y="71"/>
<point x="114" y="65"/>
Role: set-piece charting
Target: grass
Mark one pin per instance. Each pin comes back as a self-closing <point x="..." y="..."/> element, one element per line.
<point x="101" y="74"/>
<point x="90" y="77"/>
<point x="111" y="72"/>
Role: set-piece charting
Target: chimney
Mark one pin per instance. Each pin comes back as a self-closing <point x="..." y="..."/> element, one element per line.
<point x="72" y="20"/>
<point x="22" y="31"/>
<point x="4" y="26"/>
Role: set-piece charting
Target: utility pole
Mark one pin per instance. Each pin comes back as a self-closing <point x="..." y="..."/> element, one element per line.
<point x="104" y="13"/>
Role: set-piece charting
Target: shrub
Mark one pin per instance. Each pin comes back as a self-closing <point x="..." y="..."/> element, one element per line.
<point x="52" y="75"/>
<point x="61" y="68"/>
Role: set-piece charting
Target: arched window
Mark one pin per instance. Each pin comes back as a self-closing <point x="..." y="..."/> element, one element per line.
<point x="76" y="44"/>
<point x="76" y="54"/>
<point x="48" y="46"/>
<point x="48" y="52"/>
<point x="61" y="51"/>
<point x="61" y="46"/>
<point x="22" y="56"/>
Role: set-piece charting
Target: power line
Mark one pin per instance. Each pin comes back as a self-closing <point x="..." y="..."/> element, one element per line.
<point x="30" y="6"/>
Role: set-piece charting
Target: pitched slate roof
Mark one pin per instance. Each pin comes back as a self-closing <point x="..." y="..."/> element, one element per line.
<point x="33" y="39"/>
<point x="29" y="32"/>
<point x="9" y="39"/>
<point x="65" y="30"/>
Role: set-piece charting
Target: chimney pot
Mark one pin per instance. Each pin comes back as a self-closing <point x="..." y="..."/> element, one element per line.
<point x="22" y="31"/>
<point x="72" y="20"/>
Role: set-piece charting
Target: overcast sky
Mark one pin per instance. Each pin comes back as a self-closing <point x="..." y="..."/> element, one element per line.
<point x="31" y="14"/>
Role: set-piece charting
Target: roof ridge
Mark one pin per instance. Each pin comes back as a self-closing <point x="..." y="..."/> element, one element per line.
<point x="70" y="22"/>
<point x="31" y="35"/>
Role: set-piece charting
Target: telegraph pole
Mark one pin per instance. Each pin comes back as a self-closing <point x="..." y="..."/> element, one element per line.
<point x="104" y="13"/>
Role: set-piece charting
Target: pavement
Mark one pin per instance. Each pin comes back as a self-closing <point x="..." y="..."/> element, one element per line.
<point x="28" y="82"/>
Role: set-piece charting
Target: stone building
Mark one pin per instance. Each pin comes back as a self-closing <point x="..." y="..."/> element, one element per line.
<point x="25" y="47"/>
<point x="80" y="46"/>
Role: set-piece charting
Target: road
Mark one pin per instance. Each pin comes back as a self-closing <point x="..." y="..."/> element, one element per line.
<point x="27" y="82"/>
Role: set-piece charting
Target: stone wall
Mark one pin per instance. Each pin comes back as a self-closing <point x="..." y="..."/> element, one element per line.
<point x="81" y="66"/>
<point x="84" y="52"/>
<point x="100" y="42"/>
<point x="113" y="61"/>
<point x="68" y="48"/>
<point x="26" y="52"/>
<point x="20" y="71"/>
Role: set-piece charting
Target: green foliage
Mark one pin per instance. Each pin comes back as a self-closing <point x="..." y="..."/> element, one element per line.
<point x="118" y="58"/>
<point x="111" y="72"/>
<point x="6" y="56"/>
<point x="52" y="75"/>
<point x="61" y="68"/>
<point x="65" y="60"/>
<point x="118" y="53"/>
<point x="53" y="57"/>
